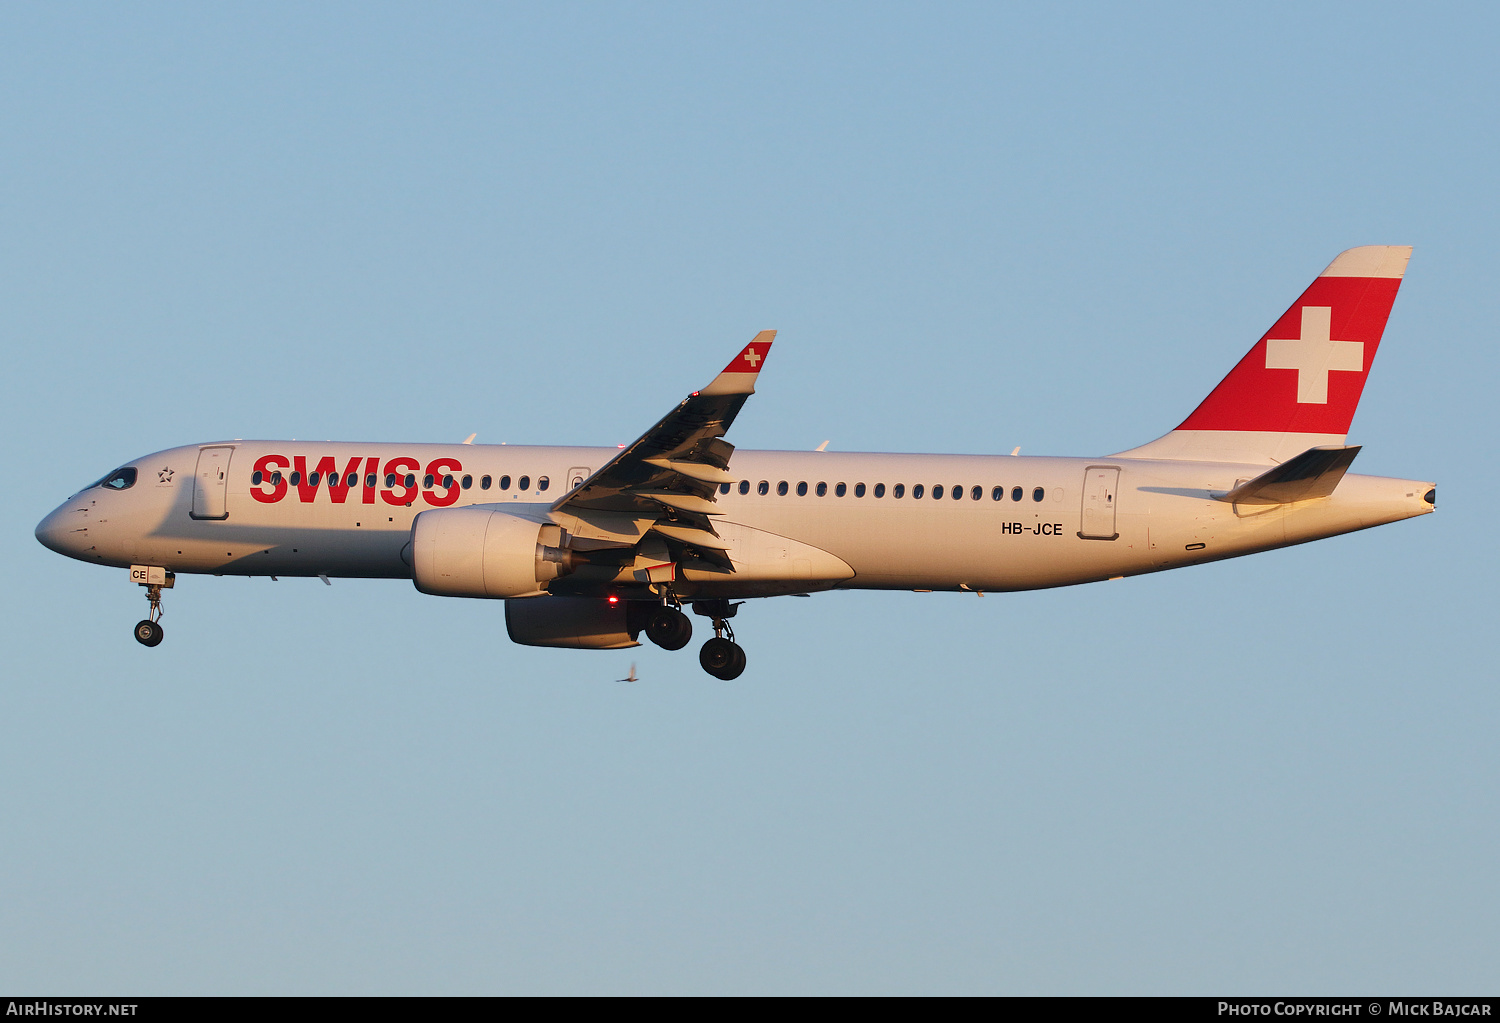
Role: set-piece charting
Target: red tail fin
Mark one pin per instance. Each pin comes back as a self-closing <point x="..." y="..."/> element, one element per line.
<point x="1299" y="386"/>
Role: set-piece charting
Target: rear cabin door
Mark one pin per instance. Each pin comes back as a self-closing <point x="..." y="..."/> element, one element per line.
<point x="1101" y="484"/>
<point x="210" y="483"/>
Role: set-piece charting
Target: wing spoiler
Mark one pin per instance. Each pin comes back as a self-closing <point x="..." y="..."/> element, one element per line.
<point x="1312" y="474"/>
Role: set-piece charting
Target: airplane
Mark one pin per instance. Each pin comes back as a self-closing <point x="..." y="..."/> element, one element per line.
<point x="589" y="547"/>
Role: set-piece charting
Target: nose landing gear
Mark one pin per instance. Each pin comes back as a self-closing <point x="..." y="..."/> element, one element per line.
<point x="721" y="656"/>
<point x="148" y="630"/>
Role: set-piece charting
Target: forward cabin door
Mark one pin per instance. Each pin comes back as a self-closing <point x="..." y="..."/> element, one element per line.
<point x="210" y="483"/>
<point x="1101" y="484"/>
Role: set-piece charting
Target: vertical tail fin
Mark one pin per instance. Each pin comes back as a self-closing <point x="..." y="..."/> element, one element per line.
<point x="1299" y="386"/>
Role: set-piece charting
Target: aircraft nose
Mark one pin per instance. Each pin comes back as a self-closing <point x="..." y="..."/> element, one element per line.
<point x="57" y="533"/>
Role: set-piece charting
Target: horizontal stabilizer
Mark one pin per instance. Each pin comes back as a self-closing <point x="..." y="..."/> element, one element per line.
<point x="1310" y="475"/>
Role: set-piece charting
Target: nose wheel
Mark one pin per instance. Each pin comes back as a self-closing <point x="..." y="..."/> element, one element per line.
<point x="721" y="656"/>
<point x="148" y="630"/>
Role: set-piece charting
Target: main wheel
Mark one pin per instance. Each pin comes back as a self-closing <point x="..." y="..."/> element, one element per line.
<point x="147" y="633"/>
<point x="669" y="628"/>
<point x="722" y="658"/>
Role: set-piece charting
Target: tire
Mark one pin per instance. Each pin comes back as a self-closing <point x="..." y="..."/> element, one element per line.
<point x="147" y="633"/>
<point x="669" y="629"/>
<point x="722" y="659"/>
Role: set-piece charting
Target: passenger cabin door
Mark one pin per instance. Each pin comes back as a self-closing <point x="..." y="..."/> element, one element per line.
<point x="1101" y="484"/>
<point x="210" y="483"/>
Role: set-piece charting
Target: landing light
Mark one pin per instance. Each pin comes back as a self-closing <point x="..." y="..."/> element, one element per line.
<point x="614" y="600"/>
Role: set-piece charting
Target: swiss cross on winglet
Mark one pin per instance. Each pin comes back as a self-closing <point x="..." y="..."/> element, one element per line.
<point x="739" y="376"/>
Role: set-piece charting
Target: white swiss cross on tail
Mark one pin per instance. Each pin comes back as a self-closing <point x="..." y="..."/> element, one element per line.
<point x="752" y="356"/>
<point x="1314" y="355"/>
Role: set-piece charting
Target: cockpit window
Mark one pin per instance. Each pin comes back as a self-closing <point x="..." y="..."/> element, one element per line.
<point x="120" y="479"/>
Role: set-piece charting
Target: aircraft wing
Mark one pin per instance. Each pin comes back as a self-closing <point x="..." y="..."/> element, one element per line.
<point x="665" y="482"/>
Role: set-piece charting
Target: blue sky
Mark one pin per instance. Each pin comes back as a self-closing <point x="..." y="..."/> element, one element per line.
<point x="976" y="227"/>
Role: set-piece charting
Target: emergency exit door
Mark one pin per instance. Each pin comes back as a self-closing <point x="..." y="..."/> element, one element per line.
<point x="211" y="483"/>
<point x="1101" y="484"/>
<point x="576" y="476"/>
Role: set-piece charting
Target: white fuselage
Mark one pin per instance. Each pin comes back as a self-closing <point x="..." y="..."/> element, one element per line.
<point x="1162" y="513"/>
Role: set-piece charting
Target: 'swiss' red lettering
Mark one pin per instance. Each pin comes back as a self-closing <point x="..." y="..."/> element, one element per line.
<point x="399" y="467"/>
<point x="274" y="484"/>
<point x="437" y="468"/>
<point x="267" y="465"/>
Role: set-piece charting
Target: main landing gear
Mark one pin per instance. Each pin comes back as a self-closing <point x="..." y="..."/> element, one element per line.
<point x="669" y="628"/>
<point x="721" y="656"/>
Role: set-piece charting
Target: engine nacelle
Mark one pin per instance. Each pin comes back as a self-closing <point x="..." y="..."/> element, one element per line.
<point x="580" y="623"/>
<point x="476" y="552"/>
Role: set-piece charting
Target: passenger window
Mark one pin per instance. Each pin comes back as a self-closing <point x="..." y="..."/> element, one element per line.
<point x="427" y="481"/>
<point x="448" y="481"/>
<point x="880" y="490"/>
<point x="764" y="488"/>
<point x="467" y="481"/>
<point x="822" y="489"/>
<point x="781" y="488"/>
<point x="958" y="493"/>
<point x="977" y="494"/>
<point x="312" y="479"/>
<point x="802" y="489"/>
<point x="296" y="479"/>
<point x="859" y="490"/>
<point x="1038" y="494"/>
<point x="257" y="478"/>
<point x="411" y="479"/>
<point x="370" y="481"/>
<point x="390" y="479"/>
<point x="724" y="488"/>
<point x="744" y="487"/>
<point x="840" y="490"/>
<point x="916" y="492"/>
<point x="937" y="492"/>
<point x="333" y="479"/>
<point x="542" y="483"/>
<point x="276" y="478"/>
<point x="998" y="493"/>
<point x="484" y="482"/>
<point x="504" y="482"/>
<point x="524" y="483"/>
<point x="1016" y="493"/>
<point x="899" y="490"/>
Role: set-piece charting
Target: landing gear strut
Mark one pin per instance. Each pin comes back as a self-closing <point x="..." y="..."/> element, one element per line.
<point x="148" y="630"/>
<point x="721" y="656"/>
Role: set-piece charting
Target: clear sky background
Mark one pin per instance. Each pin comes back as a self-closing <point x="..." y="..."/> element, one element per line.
<point x="976" y="227"/>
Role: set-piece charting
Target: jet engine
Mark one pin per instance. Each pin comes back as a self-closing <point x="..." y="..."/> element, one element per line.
<point x="476" y="552"/>
<point x="581" y="623"/>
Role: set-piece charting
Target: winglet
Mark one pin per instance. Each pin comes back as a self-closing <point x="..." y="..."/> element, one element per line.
<point x="739" y="376"/>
